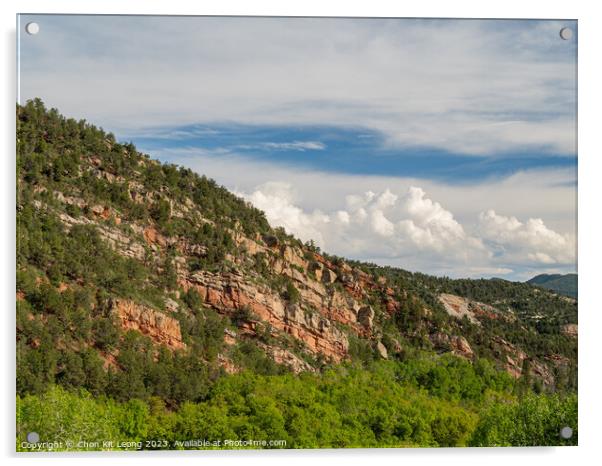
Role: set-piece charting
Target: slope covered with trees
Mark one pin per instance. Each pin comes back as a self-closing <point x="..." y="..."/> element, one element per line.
<point x="163" y="307"/>
<point x="562" y="284"/>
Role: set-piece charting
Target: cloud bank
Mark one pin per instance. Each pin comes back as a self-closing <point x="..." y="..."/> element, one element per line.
<point x="414" y="231"/>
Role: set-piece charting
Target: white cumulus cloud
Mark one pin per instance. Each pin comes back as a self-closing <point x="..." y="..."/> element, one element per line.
<point x="412" y="230"/>
<point x="531" y="239"/>
<point x="383" y="225"/>
<point x="276" y="199"/>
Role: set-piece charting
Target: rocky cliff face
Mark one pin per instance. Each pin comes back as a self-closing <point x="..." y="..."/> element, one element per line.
<point x="160" y="328"/>
<point x="334" y="301"/>
<point x="313" y="321"/>
<point x="230" y="292"/>
<point x="300" y="307"/>
<point x="318" y="318"/>
<point x="454" y="343"/>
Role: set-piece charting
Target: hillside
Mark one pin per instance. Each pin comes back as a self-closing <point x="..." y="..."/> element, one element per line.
<point x="561" y="284"/>
<point x="143" y="282"/>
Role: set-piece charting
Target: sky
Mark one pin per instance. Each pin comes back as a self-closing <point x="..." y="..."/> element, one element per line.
<point x="441" y="146"/>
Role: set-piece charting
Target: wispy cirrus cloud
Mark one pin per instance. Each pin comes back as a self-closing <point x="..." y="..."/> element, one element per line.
<point x="300" y="146"/>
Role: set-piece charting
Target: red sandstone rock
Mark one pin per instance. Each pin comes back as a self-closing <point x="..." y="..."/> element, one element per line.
<point x="230" y="291"/>
<point x="161" y="328"/>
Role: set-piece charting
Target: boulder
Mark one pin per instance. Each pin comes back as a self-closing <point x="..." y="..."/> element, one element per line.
<point x="382" y="350"/>
<point x="365" y="317"/>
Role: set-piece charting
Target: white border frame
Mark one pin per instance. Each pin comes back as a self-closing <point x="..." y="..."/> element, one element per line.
<point x="590" y="169"/>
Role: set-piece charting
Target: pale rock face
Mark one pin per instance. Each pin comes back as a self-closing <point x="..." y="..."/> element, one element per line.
<point x="328" y="276"/>
<point x="70" y="200"/>
<point x="458" y="345"/>
<point x="171" y="305"/>
<point x="284" y="356"/>
<point x="229" y="337"/>
<point x="100" y="211"/>
<point x="570" y="330"/>
<point x="457" y="307"/>
<point x="119" y="241"/>
<point x="122" y="243"/>
<point x="251" y="246"/>
<point x="294" y="256"/>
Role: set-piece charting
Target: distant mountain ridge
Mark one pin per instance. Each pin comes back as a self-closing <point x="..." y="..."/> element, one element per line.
<point x="563" y="284"/>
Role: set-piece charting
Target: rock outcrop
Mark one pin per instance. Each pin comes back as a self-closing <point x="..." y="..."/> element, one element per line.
<point x="570" y="330"/>
<point x="516" y="360"/>
<point x="366" y="316"/>
<point x="159" y="327"/>
<point x="461" y="347"/>
<point x="229" y="292"/>
<point x="285" y="357"/>
<point x="459" y="307"/>
<point x="456" y="344"/>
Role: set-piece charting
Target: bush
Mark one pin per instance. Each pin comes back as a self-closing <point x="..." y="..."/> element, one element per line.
<point x="535" y="420"/>
<point x="291" y="293"/>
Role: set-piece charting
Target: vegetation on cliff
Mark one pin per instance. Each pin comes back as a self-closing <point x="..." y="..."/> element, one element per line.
<point x="245" y="332"/>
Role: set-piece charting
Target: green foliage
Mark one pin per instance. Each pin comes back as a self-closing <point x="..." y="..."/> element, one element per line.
<point x="68" y="418"/>
<point x="361" y="350"/>
<point x="160" y="212"/>
<point x="193" y="299"/>
<point x="344" y="407"/>
<point x="452" y="378"/>
<point x="291" y="293"/>
<point x="248" y="355"/>
<point x="204" y="330"/>
<point x="106" y="333"/>
<point x="242" y="315"/>
<point x="531" y="421"/>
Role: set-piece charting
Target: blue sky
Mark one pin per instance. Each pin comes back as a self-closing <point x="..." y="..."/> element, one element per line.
<point x="346" y="150"/>
<point x="445" y="146"/>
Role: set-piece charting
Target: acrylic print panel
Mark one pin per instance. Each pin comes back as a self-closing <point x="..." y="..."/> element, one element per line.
<point x="254" y="232"/>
